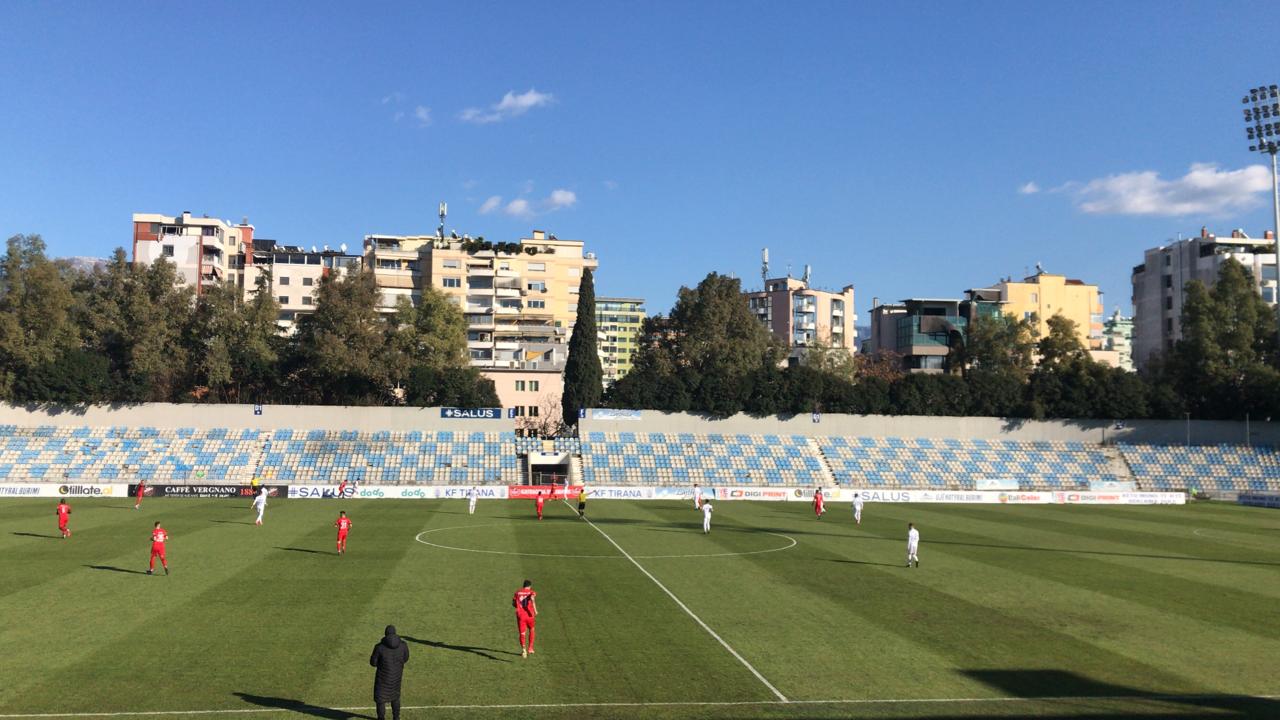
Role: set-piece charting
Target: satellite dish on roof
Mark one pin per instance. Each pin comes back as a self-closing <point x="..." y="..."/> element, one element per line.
<point x="326" y="248"/>
<point x="313" y="249"/>
<point x="343" y="247"/>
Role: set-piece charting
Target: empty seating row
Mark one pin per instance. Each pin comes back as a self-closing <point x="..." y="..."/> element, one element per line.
<point x="684" y="458"/>
<point x="1222" y="468"/>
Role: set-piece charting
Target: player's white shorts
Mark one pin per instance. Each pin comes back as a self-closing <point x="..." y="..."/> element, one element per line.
<point x="911" y="549"/>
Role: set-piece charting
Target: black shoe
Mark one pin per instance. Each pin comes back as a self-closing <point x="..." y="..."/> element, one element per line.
<point x="149" y="572"/>
<point x="166" y="571"/>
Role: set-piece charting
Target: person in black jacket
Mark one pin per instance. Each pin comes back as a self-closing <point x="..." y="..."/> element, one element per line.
<point x="389" y="657"/>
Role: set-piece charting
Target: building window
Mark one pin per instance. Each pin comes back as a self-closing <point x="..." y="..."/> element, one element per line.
<point x="167" y="250"/>
<point x="306" y="299"/>
<point x="283" y="299"/>
<point x="209" y="231"/>
<point x="449" y="264"/>
<point x="574" y="290"/>
<point x="284" y="281"/>
<point x="533" y="385"/>
<point x="537" y="304"/>
<point x="1035" y="297"/>
<point x="504" y="266"/>
<point x="573" y="307"/>
<point x="1168" y="281"/>
<point x="1168" y="260"/>
<point x="519" y="411"/>
<point x="1027" y="315"/>
<point x="451" y="282"/>
<point x="1168" y="303"/>
<point x="307" y="282"/>
<point x="533" y="411"/>
<point x="1168" y="325"/>
<point x="537" y="267"/>
<point x="519" y="386"/>
<point x="537" y="286"/>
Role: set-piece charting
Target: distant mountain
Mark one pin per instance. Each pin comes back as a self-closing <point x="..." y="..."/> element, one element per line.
<point x="84" y="263"/>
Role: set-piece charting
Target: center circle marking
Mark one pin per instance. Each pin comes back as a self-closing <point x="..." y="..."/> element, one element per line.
<point x="791" y="542"/>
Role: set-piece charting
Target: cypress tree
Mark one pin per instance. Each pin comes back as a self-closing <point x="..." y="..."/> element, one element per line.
<point x="582" y="373"/>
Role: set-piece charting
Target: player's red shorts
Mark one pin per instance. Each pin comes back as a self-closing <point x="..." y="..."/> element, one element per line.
<point x="157" y="550"/>
<point x="342" y="535"/>
<point x="524" y="622"/>
<point x="62" y="523"/>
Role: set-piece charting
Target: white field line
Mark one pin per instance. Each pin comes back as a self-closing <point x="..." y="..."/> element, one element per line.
<point x="306" y="708"/>
<point x="690" y="613"/>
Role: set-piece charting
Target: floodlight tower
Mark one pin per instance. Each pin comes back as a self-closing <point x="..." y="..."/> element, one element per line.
<point x="1264" y="104"/>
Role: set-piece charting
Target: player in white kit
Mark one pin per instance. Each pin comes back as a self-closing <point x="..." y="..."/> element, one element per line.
<point x="913" y="544"/>
<point x="706" y="517"/>
<point x="697" y="497"/>
<point x="471" y="500"/>
<point x="857" y="508"/>
<point x="260" y="504"/>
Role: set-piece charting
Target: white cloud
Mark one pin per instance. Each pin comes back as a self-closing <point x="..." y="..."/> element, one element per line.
<point x="1030" y="188"/>
<point x="610" y="184"/>
<point x="519" y="208"/>
<point x="491" y="204"/>
<point x="398" y="116"/>
<point x="1205" y="189"/>
<point x="511" y="105"/>
<point x="422" y="114"/>
<point x="394" y="97"/>
<point x="561" y="199"/>
<point x="526" y="187"/>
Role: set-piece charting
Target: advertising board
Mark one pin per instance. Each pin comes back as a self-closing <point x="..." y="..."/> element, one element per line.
<point x="550" y="492"/>
<point x="67" y="490"/>
<point x="207" y="491"/>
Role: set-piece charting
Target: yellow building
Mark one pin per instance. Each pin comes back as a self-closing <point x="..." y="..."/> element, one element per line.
<point x="1045" y="295"/>
<point x="618" y="323"/>
<point x="520" y="299"/>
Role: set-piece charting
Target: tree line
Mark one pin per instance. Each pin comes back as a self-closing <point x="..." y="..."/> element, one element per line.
<point x="711" y="355"/>
<point x="130" y="333"/>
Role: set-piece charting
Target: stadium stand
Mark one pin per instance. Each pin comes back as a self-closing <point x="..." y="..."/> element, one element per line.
<point x="955" y="464"/>
<point x="182" y="455"/>
<point x="1215" y="468"/>
<point x="684" y="458"/>
<point x="394" y="458"/>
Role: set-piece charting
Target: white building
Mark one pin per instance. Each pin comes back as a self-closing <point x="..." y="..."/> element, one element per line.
<point x="1159" y="283"/>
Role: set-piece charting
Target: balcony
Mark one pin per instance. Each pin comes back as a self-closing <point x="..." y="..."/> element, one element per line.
<point x="507" y="292"/>
<point x="506" y="310"/>
<point x="476" y="308"/>
<point x="479" y="271"/>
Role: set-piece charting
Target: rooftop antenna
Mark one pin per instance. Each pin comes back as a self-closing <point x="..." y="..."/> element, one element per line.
<point x="764" y="266"/>
<point x="444" y="212"/>
<point x="1039" y="268"/>
<point x="807" y="272"/>
<point x="788" y="271"/>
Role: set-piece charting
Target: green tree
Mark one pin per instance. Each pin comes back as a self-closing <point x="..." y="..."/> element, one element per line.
<point x="339" y="353"/>
<point x="36" y="323"/>
<point x="583" y="378"/>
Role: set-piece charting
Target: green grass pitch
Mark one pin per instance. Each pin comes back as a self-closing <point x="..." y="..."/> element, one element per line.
<point x="1047" y="611"/>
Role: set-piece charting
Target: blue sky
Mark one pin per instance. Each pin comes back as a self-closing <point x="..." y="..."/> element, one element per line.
<point x="890" y="146"/>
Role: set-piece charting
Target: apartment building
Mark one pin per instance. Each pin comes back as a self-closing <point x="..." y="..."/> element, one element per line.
<point x="206" y="251"/>
<point x="921" y="330"/>
<point x="1044" y="295"/>
<point x="293" y="273"/>
<point x="802" y="316"/>
<point x="1117" y="337"/>
<point x="618" y="324"/>
<point x="1158" y="283"/>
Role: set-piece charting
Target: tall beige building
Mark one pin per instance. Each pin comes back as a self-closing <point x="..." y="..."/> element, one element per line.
<point x="520" y="299"/>
<point x="801" y="316"/>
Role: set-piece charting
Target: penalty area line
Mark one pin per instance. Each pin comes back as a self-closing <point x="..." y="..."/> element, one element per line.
<point x="690" y="613"/>
<point x="308" y="708"/>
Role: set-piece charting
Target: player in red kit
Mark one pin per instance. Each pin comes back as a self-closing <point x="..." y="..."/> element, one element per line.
<point x="819" y="505"/>
<point x="159" y="536"/>
<point x="141" y="486"/>
<point x="342" y="489"/>
<point x="526" y="614"/>
<point x="343" y="523"/>
<point x="538" y="503"/>
<point x="64" y="516"/>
